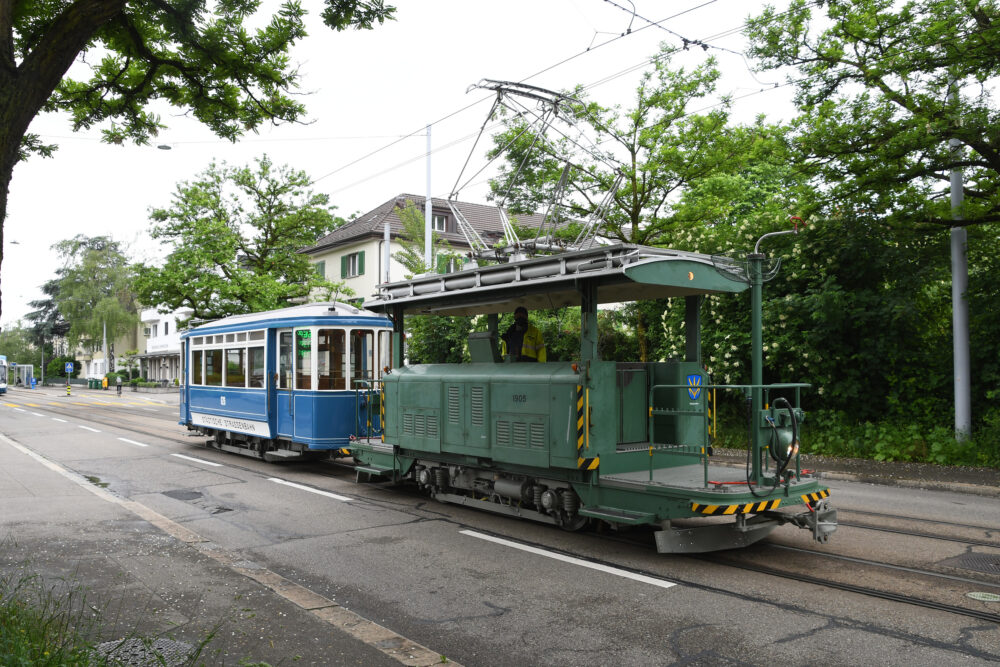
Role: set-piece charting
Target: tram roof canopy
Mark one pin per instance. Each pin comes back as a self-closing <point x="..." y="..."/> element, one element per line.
<point x="621" y="273"/>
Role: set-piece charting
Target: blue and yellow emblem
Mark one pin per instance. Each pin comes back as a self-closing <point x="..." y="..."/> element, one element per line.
<point x="694" y="386"/>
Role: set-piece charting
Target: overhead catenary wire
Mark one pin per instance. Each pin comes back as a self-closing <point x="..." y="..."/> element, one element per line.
<point x="617" y="37"/>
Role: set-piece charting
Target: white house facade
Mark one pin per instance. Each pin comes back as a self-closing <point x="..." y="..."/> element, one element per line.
<point x="161" y="359"/>
<point x="355" y="253"/>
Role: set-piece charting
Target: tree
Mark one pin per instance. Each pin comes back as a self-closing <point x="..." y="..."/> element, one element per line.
<point x="204" y="61"/>
<point x="882" y="88"/>
<point x="430" y="339"/>
<point x="412" y="242"/>
<point x="895" y="97"/>
<point x="16" y="345"/>
<point x="95" y="292"/>
<point x="47" y="322"/>
<point x="235" y="234"/>
<point x="660" y="146"/>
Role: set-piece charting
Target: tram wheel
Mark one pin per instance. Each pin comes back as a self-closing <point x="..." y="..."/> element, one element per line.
<point x="574" y="523"/>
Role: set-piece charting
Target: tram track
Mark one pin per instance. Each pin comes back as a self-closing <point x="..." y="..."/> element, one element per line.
<point x="867" y="591"/>
<point x="139" y="423"/>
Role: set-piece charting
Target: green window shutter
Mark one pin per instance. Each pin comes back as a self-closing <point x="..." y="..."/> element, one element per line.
<point x="343" y="266"/>
<point x="361" y="263"/>
<point x="320" y="269"/>
<point x="442" y="263"/>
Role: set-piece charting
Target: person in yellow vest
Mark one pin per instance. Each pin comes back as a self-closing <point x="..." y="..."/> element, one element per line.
<point x="523" y="340"/>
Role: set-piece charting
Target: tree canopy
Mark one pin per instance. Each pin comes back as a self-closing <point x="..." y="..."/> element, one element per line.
<point x="669" y="156"/>
<point x="201" y="58"/>
<point x="882" y="87"/>
<point x="95" y="290"/>
<point x="235" y="235"/>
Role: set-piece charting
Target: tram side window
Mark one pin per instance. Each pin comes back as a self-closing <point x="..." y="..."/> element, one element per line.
<point x="384" y="351"/>
<point x="256" y="367"/>
<point x="236" y="369"/>
<point x="213" y="368"/>
<point x="303" y="359"/>
<point x="330" y="359"/>
<point x="285" y="360"/>
<point x="362" y="356"/>
<point x="196" y="367"/>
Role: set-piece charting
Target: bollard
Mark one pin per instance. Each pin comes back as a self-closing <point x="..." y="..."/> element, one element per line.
<point x="68" y="390"/>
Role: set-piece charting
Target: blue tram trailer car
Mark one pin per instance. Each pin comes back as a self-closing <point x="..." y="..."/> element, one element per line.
<point x="285" y="384"/>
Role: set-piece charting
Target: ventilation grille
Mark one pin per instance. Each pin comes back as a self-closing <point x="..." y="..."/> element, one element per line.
<point x="503" y="433"/>
<point x="454" y="408"/>
<point x="477" y="406"/>
<point x="520" y="434"/>
<point x="537" y="435"/>
<point x="420" y="426"/>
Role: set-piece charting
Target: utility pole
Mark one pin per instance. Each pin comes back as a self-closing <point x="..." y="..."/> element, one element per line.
<point x="959" y="295"/>
<point x="428" y="210"/>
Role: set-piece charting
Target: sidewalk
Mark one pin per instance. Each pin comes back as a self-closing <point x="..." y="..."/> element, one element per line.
<point x="163" y="582"/>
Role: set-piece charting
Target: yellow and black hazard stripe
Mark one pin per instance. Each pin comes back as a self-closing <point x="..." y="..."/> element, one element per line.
<point x="811" y="498"/>
<point x="746" y="508"/>
<point x="583" y="462"/>
<point x="343" y="451"/>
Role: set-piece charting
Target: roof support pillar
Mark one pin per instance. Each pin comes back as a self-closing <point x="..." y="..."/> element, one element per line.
<point x="398" y="337"/>
<point x="692" y="328"/>
<point x="588" y="320"/>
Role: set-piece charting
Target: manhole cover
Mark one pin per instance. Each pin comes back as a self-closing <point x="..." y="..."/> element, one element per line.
<point x="975" y="562"/>
<point x="183" y="494"/>
<point x="139" y="653"/>
<point x="984" y="597"/>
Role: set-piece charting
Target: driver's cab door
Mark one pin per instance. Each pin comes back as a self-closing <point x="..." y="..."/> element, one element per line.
<point x="285" y="383"/>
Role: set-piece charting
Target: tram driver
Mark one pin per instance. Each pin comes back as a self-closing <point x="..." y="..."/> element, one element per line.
<point x="523" y="340"/>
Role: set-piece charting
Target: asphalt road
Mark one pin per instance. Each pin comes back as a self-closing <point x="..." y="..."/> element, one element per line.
<point x="487" y="590"/>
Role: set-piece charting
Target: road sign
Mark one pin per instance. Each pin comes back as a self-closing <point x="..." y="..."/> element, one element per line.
<point x="69" y="367"/>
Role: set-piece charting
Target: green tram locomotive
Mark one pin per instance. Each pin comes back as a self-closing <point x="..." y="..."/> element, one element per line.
<point x="567" y="442"/>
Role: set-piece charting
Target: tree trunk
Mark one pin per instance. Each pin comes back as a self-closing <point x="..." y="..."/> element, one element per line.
<point x="26" y="86"/>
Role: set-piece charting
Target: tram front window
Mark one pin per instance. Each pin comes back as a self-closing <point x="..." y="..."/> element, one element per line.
<point x="303" y="359"/>
<point x="362" y="357"/>
<point x="330" y="358"/>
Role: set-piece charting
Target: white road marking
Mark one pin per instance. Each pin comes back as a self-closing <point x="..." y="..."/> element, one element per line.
<point x="191" y="458"/>
<point x="38" y="414"/>
<point x="653" y="581"/>
<point x="87" y="428"/>
<point x="310" y="489"/>
<point x="20" y="409"/>
<point x="56" y="419"/>
<point x="133" y="442"/>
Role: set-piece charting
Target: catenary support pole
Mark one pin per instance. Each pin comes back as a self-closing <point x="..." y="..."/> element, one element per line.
<point x="959" y="296"/>
<point x="428" y="209"/>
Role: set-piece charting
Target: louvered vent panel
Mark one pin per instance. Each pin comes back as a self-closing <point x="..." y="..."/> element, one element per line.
<point x="536" y="434"/>
<point x="454" y="407"/>
<point x="432" y="426"/>
<point x="477" y="406"/>
<point x="419" y="425"/>
<point x="503" y="433"/>
<point x="408" y="423"/>
<point x="520" y="434"/>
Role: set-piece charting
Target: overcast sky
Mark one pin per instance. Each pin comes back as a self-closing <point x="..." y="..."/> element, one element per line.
<point x="366" y="91"/>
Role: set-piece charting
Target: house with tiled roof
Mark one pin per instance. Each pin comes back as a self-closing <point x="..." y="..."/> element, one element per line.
<point x="355" y="252"/>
